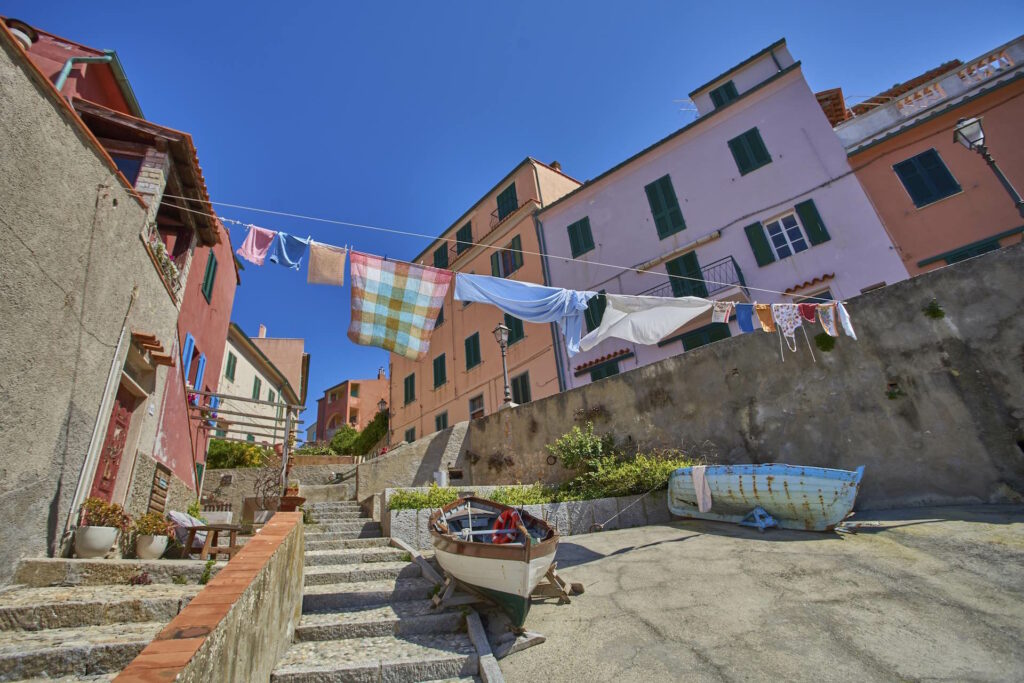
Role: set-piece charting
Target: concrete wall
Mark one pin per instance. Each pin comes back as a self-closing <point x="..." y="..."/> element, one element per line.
<point x="412" y="464"/>
<point x="71" y="256"/>
<point x="951" y="432"/>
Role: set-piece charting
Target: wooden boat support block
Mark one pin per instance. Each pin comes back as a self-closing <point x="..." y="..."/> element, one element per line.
<point x="518" y="643"/>
<point x="488" y="668"/>
<point x="426" y="568"/>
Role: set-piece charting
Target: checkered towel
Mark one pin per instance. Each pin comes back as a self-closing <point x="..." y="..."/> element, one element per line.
<point x="395" y="305"/>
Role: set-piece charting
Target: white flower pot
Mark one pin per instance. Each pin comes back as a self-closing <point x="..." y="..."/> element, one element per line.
<point x="94" y="541"/>
<point x="149" y="547"/>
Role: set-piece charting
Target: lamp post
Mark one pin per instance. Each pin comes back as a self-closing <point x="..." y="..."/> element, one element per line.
<point x="501" y="336"/>
<point x="970" y="134"/>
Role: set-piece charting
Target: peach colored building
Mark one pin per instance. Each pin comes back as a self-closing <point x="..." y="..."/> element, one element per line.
<point x="939" y="201"/>
<point x="352" y="402"/>
<point x="461" y="377"/>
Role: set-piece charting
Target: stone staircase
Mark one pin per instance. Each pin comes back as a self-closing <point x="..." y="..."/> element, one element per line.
<point x="366" y="611"/>
<point x="80" y="620"/>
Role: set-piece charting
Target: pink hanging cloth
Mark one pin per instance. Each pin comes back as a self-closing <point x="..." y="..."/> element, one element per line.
<point x="256" y="245"/>
<point x="807" y="311"/>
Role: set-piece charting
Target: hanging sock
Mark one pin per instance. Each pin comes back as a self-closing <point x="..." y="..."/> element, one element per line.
<point x="326" y="265"/>
<point x="807" y="311"/>
<point x="529" y="302"/>
<point x="288" y="250"/>
<point x="844" y="318"/>
<point x="256" y="245"/>
<point x="827" y="316"/>
<point x="787" y="318"/>
<point x="721" y="310"/>
<point x="643" y="319"/>
<point x="764" y="316"/>
<point x="745" y="317"/>
<point x="395" y="305"/>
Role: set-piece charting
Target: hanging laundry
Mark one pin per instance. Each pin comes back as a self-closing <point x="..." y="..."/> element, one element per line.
<point x="288" y="250"/>
<point x="807" y="311"/>
<point x="844" y="318"/>
<point x="787" y="318"/>
<point x="721" y="310"/>
<point x="326" y="265"/>
<point x="764" y="316"/>
<point x="745" y="317"/>
<point x="529" y="302"/>
<point x="643" y="319"/>
<point x="827" y="316"/>
<point x="256" y="245"/>
<point x="395" y="305"/>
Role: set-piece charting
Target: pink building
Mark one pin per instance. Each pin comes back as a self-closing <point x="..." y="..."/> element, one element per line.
<point x="755" y="194"/>
<point x="353" y="402"/>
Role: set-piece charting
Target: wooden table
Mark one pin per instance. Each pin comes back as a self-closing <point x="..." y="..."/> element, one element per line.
<point x="210" y="547"/>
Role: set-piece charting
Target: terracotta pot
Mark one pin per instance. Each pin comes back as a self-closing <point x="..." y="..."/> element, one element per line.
<point x="94" y="541"/>
<point x="291" y="503"/>
<point x="150" y="547"/>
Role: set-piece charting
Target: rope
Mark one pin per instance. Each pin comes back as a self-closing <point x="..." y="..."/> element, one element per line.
<point x="600" y="527"/>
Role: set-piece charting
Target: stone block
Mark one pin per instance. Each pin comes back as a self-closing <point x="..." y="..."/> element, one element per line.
<point x="656" y="508"/>
<point x="558" y="515"/>
<point x="631" y="512"/>
<point x="404" y="526"/>
<point x="581" y="516"/>
<point x="605" y="513"/>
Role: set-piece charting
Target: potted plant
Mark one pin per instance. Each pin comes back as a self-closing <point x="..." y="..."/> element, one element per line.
<point x="98" y="526"/>
<point x="151" y="534"/>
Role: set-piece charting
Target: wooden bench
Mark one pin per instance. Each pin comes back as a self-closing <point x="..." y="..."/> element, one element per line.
<point x="210" y="547"/>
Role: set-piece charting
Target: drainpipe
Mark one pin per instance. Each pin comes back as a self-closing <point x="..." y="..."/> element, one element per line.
<point x="68" y="65"/>
<point x="547" y="280"/>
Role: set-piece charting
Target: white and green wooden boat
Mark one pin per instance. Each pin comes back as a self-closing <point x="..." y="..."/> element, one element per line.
<point x="498" y="550"/>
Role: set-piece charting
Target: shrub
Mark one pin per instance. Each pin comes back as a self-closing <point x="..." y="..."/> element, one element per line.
<point x="580" y="449"/>
<point x="612" y="477"/>
<point x="194" y="509"/>
<point x="230" y="454"/>
<point x="369" y="437"/>
<point x="204" y="578"/>
<point x="98" y="512"/>
<point x="518" y="496"/>
<point x="152" y="524"/>
<point x="341" y="442"/>
<point x="435" y="497"/>
<point x="315" y="448"/>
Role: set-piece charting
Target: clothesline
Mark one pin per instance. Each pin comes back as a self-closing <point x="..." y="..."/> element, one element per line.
<point x="406" y="233"/>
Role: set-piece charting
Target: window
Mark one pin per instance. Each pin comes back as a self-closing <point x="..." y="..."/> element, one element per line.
<point x="604" y="370"/>
<point x="595" y="311"/>
<point x="749" y="151"/>
<point x="972" y="250"/>
<point x="209" y="276"/>
<point x="464" y="238"/>
<point x="509" y="259"/>
<point x="668" y="219"/>
<point x="220" y="433"/>
<point x="410" y="388"/>
<point x="440" y="317"/>
<point x="128" y="165"/>
<point x="473" y="351"/>
<point x="581" y="240"/>
<point x="507" y="202"/>
<point x="476" y="407"/>
<point x="788" y="234"/>
<point x="705" y="335"/>
<point x="785" y="235"/>
<point x="521" y="388"/>
<point x="229" y="368"/>
<point x="817" y="298"/>
<point x="257" y="384"/>
<point x="440" y="372"/>
<point x="926" y="178"/>
<point x="441" y="421"/>
<point x="441" y="256"/>
<point x="515" y="329"/>
<point x="250" y="438"/>
<point x="723" y="94"/>
<point x="686" y="266"/>
<point x="410" y="434"/>
<point x="353" y="391"/>
<point x="353" y="417"/>
<point x="271" y="396"/>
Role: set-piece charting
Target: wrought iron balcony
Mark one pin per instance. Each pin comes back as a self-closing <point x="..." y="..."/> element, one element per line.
<point x="715" y="278"/>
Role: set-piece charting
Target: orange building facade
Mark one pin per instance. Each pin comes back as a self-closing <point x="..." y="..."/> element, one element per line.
<point x="939" y="201"/>
<point x="353" y="402"/>
<point x="461" y="378"/>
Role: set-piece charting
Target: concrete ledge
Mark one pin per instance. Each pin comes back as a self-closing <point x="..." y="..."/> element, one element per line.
<point x="57" y="571"/>
<point x="238" y="627"/>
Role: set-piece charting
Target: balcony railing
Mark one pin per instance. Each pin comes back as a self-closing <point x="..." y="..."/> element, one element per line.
<point x="715" y="278"/>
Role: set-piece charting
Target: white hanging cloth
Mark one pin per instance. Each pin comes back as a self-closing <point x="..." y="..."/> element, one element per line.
<point x="643" y="319"/>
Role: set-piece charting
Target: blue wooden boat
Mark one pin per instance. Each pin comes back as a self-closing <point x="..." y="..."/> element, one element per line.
<point x="789" y="496"/>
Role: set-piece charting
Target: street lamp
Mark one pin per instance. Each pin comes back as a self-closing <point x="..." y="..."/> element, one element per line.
<point x="382" y="405"/>
<point x="970" y="134"/>
<point x="501" y="336"/>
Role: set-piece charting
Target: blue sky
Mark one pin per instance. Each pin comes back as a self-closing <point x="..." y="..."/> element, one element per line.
<point x="401" y="114"/>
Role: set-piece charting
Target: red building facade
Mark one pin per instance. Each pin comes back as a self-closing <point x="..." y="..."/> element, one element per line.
<point x="354" y="402"/>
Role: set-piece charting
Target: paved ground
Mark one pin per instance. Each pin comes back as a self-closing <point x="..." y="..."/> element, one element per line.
<point x="930" y="594"/>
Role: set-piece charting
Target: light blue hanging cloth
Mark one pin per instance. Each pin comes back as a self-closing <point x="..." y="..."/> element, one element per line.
<point x="529" y="302"/>
<point x="288" y="250"/>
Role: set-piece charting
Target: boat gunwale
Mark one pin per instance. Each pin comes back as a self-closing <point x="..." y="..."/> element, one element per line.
<point x="496" y="551"/>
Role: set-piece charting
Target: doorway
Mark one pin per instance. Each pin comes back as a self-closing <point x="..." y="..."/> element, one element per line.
<point x="114" y="444"/>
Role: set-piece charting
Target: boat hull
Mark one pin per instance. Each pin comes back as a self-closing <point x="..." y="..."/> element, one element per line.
<point x="805" y="498"/>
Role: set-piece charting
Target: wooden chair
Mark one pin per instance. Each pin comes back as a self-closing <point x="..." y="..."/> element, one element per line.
<point x="210" y="546"/>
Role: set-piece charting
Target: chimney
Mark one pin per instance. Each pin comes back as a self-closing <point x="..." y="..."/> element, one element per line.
<point x="263" y="331"/>
<point x="555" y="165"/>
<point x="380" y="373"/>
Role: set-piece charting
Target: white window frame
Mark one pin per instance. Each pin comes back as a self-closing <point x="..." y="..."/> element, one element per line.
<point x="789" y="243"/>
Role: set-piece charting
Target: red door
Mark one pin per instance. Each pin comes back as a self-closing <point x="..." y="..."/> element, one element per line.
<point x="113" y="445"/>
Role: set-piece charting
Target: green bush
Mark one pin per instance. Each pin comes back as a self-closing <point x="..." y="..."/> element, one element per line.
<point x="580" y="449"/>
<point x="341" y="442"/>
<point x="369" y="437"/>
<point x="229" y="454"/>
<point x="437" y="496"/>
<point x="612" y="477"/>
<point x="314" y="448"/>
<point x="518" y="496"/>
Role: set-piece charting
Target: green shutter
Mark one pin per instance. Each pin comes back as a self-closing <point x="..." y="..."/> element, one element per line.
<point x="410" y="388"/>
<point x="517" y="253"/>
<point x="581" y="240"/>
<point x="687" y="280"/>
<point x="440" y="316"/>
<point x="464" y="238"/>
<point x="209" y="276"/>
<point x="440" y="371"/>
<point x="749" y="151"/>
<point x="496" y="264"/>
<point x="441" y="257"/>
<point x="811" y="220"/>
<point x="515" y="328"/>
<point x="473" y="350"/>
<point x="256" y="386"/>
<point x="229" y="370"/>
<point x="668" y="218"/>
<point x="507" y="201"/>
<point x="759" y="244"/>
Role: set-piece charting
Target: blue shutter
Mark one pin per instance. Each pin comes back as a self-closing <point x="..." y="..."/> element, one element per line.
<point x="200" y="370"/>
<point x="186" y="354"/>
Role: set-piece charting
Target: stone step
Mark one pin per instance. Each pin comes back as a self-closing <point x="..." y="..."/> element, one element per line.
<point x="410" y="658"/>
<point x="326" y="517"/>
<point x="319" y="558"/>
<point x="336" y="596"/>
<point x="363" y="529"/>
<point x="57" y="571"/>
<point x="30" y="608"/>
<point x="409" y="617"/>
<point x="339" y="542"/>
<point x="82" y="651"/>
<point x="369" y="571"/>
<point x="334" y="505"/>
<point x="86" y="678"/>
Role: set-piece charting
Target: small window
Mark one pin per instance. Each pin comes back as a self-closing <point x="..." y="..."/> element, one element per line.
<point x="595" y="311"/>
<point x="354" y="391"/>
<point x="705" y="335"/>
<point x="410" y="434"/>
<point x="668" y="218"/>
<point x="686" y="276"/>
<point x="581" y="240"/>
<point x="250" y="438"/>
<point x="521" y="388"/>
<point x="440" y="372"/>
<point x="441" y="256"/>
<point x="209" y="276"/>
<point x="441" y="421"/>
<point x="786" y="236"/>
<point x="749" y="151"/>
<point x="129" y="166"/>
<point x="723" y="94"/>
<point x="440" y="317"/>
<point x="476" y="407"/>
<point x="926" y="178"/>
<point x="509" y="259"/>
<point x="229" y="367"/>
<point x="473" y="350"/>
<point x="604" y="370"/>
<point x="464" y="238"/>
<point x="507" y="202"/>
<point x="410" y="388"/>
<point x="257" y="385"/>
<point x="818" y="298"/>
<point x="271" y="396"/>
<point x="515" y="329"/>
